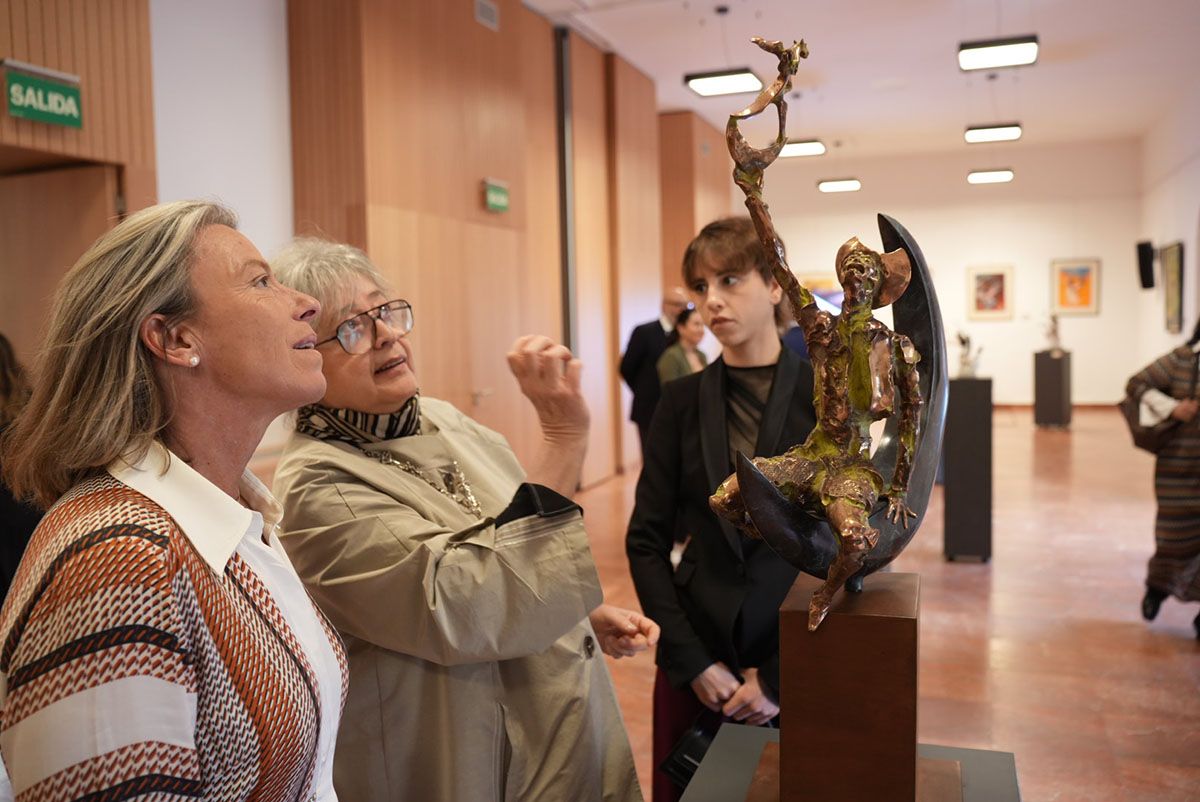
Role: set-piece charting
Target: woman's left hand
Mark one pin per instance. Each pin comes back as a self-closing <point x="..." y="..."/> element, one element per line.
<point x="622" y="633"/>
<point x="750" y="703"/>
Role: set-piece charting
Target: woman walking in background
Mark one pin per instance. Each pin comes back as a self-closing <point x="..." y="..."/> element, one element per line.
<point x="1167" y="390"/>
<point x="683" y="355"/>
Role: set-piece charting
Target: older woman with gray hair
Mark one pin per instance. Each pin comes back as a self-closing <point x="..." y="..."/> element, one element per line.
<point x="156" y="642"/>
<point x="464" y="586"/>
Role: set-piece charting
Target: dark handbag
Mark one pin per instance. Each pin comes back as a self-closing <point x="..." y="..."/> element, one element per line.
<point x="1151" y="438"/>
<point x="687" y="753"/>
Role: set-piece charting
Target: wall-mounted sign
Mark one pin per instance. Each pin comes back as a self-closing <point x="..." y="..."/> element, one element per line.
<point x="495" y="195"/>
<point x="42" y="97"/>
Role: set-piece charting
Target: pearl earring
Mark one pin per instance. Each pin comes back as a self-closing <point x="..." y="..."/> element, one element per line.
<point x="194" y="361"/>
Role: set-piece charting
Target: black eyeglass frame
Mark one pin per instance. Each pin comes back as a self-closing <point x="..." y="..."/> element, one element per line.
<point x="373" y="315"/>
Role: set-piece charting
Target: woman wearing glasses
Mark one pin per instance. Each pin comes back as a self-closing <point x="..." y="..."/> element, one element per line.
<point x="462" y="585"/>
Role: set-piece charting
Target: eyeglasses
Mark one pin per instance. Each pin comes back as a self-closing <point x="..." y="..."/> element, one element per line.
<point x="356" y="335"/>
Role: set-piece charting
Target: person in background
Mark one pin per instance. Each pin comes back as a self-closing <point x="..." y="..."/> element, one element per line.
<point x="639" y="363"/>
<point x="464" y="586"/>
<point x="17" y="519"/>
<point x="156" y="641"/>
<point x="793" y="338"/>
<point x="683" y="355"/>
<point x="1167" y="389"/>
<point x="719" y="610"/>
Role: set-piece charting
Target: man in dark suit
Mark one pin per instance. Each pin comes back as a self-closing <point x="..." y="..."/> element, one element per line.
<point x="719" y="611"/>
<point x="639" y="362"/>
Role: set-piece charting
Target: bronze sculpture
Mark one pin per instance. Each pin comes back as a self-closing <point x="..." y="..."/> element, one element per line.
<point x="863" y="372"/>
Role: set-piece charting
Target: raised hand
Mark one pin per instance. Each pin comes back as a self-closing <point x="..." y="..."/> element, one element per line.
<point x="548" y="375"/>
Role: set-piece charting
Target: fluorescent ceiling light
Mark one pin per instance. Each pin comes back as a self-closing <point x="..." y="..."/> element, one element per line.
<point x="724" y="82"/>
<point x="989" y="176"/>
<point x="840" y="185"/>
<point x="808" y="147"/>
<point x="1004" y="132"/>
<point x="989" y="54"/>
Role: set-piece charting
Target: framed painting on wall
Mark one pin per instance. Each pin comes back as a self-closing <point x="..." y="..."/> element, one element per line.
<point x="1171" y="258"/>
<point x="826" y="288"/>
<point x="989" y="293"/>
<point x="1075" y="287"/>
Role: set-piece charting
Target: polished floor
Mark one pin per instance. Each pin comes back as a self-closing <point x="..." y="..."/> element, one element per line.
<point x="1041" y="652"/>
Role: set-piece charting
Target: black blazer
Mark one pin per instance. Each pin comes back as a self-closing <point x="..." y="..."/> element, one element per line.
<point x="639" y="369"/>
<point x="723" y="601"/>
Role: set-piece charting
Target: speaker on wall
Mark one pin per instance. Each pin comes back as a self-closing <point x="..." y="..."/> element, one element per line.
<point x="1146" y="264"/>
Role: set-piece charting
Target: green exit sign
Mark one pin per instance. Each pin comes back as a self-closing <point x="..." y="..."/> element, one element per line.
<point x="495" y="195"/>
<point x="33" y="97"/>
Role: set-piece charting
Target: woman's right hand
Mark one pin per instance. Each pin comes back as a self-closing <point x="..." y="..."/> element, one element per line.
<point x="1185" y="410"/>
<point x="715" y="686"/>
<point x="548" y="375"/>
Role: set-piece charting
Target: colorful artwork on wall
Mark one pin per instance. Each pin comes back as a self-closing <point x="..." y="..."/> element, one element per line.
<point x="990" y="293"/>
<point x="1075" y="287"/>
<point x="1171" y="258"/>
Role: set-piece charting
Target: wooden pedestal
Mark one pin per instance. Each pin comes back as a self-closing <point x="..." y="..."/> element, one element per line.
<point x="849" y="696"/>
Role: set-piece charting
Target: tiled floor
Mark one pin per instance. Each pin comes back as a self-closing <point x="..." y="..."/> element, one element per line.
<point x="1041" y="652"/>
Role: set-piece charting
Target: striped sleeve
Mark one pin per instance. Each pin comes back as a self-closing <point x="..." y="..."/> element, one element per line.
<point x="96" y="681"/>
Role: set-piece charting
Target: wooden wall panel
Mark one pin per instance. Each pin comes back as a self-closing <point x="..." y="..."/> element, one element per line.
<point x="636" y="226"/>
<point x="596" y="343"/>
<point x="39" y="248"/>
<point x="108" y="46"/>
<point x="697" y="175"/>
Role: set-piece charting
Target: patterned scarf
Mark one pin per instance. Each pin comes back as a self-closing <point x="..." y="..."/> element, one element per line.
<point x="359" y="428"/>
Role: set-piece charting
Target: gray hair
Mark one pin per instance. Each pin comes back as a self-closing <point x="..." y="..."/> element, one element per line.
<point x="322" y="269"/>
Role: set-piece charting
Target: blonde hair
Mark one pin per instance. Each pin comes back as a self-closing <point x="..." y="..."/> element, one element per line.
<point x="14" y="385"/>
<point x="95" y="391"/>
<point x="320" y="268"/>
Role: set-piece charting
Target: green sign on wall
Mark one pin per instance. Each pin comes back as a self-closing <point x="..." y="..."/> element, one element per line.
<point x="32" y="97"/>
<point x="495" y="195"/>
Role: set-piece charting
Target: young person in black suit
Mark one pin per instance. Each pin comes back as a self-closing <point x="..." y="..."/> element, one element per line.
<point x="719" y="610"/>
<point x="639" y="363"/>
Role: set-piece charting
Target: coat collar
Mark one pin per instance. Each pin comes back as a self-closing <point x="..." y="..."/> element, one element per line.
<point x="714" y="432"/>
<point x="210" y="519"/>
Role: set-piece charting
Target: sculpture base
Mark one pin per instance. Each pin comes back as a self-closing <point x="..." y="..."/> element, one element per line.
<point x="848" y="692"/>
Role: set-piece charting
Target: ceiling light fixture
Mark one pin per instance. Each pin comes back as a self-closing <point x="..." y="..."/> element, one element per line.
<point x="840" y="185"/>
<point x="989" y="176"/>
<point x="1000" y="132"/>
<point x="723" y="82"/>
<point x="806" y="147"/>
<point x="990" y="54"/>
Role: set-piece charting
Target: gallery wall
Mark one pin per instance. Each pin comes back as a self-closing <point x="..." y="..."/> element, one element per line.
<point x="1071" y="201"/>
<point x="1171" y="213"/>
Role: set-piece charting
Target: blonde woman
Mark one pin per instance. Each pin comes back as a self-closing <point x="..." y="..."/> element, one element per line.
<point x="464" y="587"/>
<point x="156" y="640"/>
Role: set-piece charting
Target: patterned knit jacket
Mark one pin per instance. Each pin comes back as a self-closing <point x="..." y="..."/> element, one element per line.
<point x="113" y="601"/>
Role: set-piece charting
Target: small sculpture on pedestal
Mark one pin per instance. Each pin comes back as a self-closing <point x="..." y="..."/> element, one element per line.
<point x="1056" y="349"/>
<point x="968" y="361"/>
<point x="863" y="372"/>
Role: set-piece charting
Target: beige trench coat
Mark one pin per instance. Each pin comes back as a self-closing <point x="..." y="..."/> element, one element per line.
<point x="474" y="672"/>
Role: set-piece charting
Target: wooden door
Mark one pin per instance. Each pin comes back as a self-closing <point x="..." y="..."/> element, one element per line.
<point x="47" y="220"/>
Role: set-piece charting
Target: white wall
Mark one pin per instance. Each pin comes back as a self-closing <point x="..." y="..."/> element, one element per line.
<point x="1071" y="201"/>
<point x="221" y="112"/>
<point x="222" y="117"/>
<point x="1171" y="213"/>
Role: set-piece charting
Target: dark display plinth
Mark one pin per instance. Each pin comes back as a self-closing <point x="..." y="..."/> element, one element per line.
<point x="967" y="455"/>
<point x="728" y="770"/>
<point x="1052" y="388"/>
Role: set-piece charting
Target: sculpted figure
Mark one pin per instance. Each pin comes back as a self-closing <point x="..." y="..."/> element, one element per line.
<point x="864" y="372"/>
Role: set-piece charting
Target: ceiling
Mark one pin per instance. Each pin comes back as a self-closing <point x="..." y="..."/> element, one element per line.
<point x="882" y="75"/>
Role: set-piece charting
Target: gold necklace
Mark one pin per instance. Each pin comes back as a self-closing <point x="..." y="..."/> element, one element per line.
<point x="454" y="484"/>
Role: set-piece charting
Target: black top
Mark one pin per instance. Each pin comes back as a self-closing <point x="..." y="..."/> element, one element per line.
<point x="17" y="522"/>
<point x="723" y="601"/>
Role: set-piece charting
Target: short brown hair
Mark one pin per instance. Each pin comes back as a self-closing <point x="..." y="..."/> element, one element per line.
<point x="95" y="392"/>
<point x="733" y="244"/>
